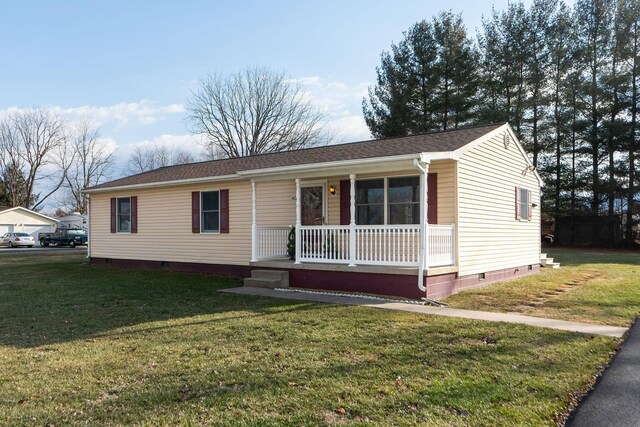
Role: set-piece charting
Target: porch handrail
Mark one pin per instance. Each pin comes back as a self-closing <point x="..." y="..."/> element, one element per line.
<point x="397" y="245"/>
<point x="272" y="242"/>
<point x="442" y="245"/>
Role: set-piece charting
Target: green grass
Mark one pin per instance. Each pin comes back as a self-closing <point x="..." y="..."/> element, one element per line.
<point x="591" y="286"/>
<point x="82" y="345"/>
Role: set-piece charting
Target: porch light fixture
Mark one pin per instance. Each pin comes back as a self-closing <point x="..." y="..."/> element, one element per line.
<point x="332" y="190"/>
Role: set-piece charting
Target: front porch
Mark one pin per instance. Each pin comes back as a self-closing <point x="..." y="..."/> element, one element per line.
<point x="397" y="217"/>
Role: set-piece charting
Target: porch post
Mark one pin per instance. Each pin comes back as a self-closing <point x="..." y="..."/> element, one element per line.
<point x="254" y="224"/>
<point x="424" y="217"/>
<point x="298" y="221"/>
<point x="352" y="221"/>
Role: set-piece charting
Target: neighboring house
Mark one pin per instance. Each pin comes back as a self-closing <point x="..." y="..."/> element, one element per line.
<point x="74" y="220"/>
<point x="362" y="221"/>
<point x="23" y="220"/>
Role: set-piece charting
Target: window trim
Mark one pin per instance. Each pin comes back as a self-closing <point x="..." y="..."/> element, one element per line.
<point x="384" y="199"/>
<point x="524" y="207"/>
<point x="118" y="231"/>
<point x="386" y="203"/>
<point x="202" y="230"/>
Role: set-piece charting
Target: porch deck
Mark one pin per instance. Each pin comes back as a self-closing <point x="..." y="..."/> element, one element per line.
<point x="287" y="264"/>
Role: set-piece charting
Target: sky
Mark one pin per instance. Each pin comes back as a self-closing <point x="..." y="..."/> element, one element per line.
<point x="130" y="66"/>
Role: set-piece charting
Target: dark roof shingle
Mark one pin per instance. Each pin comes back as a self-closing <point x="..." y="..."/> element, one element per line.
<point x="428" y="142"/>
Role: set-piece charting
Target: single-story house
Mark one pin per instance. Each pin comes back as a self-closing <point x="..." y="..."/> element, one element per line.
<point x="24" y="220"/>
<point x="415" y="216"/>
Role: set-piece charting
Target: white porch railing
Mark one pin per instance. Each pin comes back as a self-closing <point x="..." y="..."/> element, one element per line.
<point x="397" y="245"/>
<point x="325" y="243"/>
<point x="388" y="244"/>
<point x="442" y="245"/>
<point x="272" y="242"/>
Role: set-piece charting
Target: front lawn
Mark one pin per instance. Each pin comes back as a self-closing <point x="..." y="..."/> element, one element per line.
<point x="591" y="286"/>
<point x="82" y="345"/>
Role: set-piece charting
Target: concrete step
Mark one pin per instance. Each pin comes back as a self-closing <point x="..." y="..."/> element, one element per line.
<point x="543" y="255"/>
<point x="548" y="262"/>
<point x="262" y="283"/>
<point x="283" y="276"/>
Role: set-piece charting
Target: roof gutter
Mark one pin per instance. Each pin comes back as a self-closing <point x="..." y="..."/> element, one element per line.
<point x="254" y="173"/>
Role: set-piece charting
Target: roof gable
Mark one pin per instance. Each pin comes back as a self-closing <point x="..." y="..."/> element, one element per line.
<point x="27" y="211"/>
<point x="514" y="139"/>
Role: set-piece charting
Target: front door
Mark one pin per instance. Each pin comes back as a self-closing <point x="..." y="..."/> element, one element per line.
<point x="312" y="205"/>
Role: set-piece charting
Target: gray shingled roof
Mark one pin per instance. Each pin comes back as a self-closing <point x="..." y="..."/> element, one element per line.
<point x="428" y="142"/>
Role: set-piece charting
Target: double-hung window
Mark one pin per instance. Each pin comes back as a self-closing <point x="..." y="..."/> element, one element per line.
<point x="524" y="204"/>
<point x="370" y="202"/>
<point x="123" y="214"/>
<point x="210" y="212"/>
<point x="388" y="201"/>
<point x="403" y="195"/>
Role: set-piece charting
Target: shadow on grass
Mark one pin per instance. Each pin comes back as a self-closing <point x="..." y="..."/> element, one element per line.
<point x="373" y="374"/>
<point x="55" y="299"/>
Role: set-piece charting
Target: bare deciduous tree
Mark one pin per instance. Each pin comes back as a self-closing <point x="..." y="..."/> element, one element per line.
<point x="32" y="144"/>
<point x="145" y="159"/>
<point x="89" y="163"/>
<point x="252" y="112"/>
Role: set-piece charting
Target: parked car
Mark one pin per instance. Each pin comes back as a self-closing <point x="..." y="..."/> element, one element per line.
<point x="14" y="240"/>
<point x="64" y="237"/>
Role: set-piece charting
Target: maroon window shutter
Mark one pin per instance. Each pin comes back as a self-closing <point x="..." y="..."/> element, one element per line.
<point x="195" y="212"/>
<point x="529" y="205"/>
<point x="113" y="214"/>
<point x="224" y="211"/>
<point x="345" y="202"/>
<point x="432" y="198"/>
<point x="134" y="214"/>
<point x="517" y="202"/>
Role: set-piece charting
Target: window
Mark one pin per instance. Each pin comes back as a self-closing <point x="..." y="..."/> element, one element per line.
<point x="404" y="200"/>
<point x="370" y="202"/>
<point x="523" y="204"/>
<point x="388" y="201"/>
<point x="210" y="212"/>
<point x="124" y="214"/>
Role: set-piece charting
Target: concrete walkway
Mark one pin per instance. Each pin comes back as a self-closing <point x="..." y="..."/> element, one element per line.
<point x="585" y="328"/>
<point x="615" y="400"/>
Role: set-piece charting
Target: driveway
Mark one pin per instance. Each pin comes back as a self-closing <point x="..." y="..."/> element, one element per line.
<point x="615" y="400"/>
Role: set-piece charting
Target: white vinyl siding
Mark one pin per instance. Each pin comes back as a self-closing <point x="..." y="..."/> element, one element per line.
<point x="490" y="235"/>
<point x="164" y="228"/>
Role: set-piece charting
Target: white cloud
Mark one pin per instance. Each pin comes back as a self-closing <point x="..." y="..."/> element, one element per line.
<point x="348" y="128"/>
<point x="187" y="142"/>
<point x="341" y="102"/>
<point x="144" y="112"/>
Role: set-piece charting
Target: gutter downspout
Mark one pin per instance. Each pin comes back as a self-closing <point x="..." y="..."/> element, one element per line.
<point x="88" y="226"/>
<point x="423" y="166"/>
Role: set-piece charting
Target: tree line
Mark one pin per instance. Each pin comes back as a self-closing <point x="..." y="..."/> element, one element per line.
<point x="565" y="78"/>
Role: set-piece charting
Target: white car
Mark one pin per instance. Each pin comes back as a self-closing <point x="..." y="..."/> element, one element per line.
<point x="14" y="240"/>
